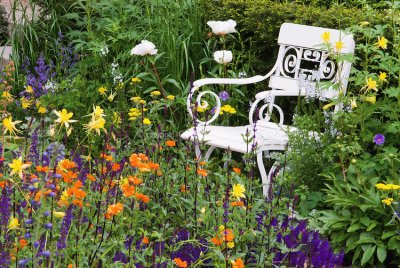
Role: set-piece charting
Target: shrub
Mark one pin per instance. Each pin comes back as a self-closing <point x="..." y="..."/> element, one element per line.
<point x="3" y="26"/>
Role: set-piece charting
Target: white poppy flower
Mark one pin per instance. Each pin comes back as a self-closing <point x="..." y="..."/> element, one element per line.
<point x="145" y="47"/>
<point x="222" y="27"/>
<point x="223" y="56"/>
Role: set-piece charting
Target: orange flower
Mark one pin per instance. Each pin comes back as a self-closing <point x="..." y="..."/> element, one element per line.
<point x="180" y="262"/>
<point x="145" y="240"/>
<point x="44" y="169"/>
<point x="77" y="202"/>
<point x="184" y="189"/>
<point x="238" y="263"/>
<point x="128" y="190"/>
<point x="237" y="204"/>
<point x="236" y="170"/>
<point x="227" y="235"/>
<point x="2" y="184"/>
<point x="216" y="241"/>
<point x="106" y="157"/>
<point x="22" y="243"/>
<point x="153" y="166"/>
<point x="91" y="177"/>
<point x="115" y="209"/>
<point x="38" y="195"/>
<point x="142" y="197"/>
<point x="116" y="167"/>
<point x="135" y="180"/>
<point x="65" y="164"/>
<point x="202" y="172"/>
<point x="170" y="143"/>
<point x="203" y="163"/>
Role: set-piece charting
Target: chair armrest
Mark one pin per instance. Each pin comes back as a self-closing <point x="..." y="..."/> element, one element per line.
<point x="229" y="81"/>
<point x="275" y="93"/>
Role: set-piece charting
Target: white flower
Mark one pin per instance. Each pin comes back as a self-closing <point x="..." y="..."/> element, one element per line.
<point x="222" y="27"/>
<point x="104" y="50"/>
<point x="145" y="47"/>
<point x="223" y="56"/>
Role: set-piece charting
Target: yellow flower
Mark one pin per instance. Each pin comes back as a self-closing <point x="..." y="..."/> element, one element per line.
<point x="136" y="99"/>
<point x="9" y="126"/>
<point x="26" y="103"/>
<point x="146" y="121"/>
<point x="59" y="214"/>
<point x="382" y="186"/>
<point x="382" y="42"/>
<point x="371" y="99"/>
<point x="17" y="167"/>
<point x="371" y="84"/>
<point x="42" y="110"/>
<point x="102" y="90"/>
<point x="155" y="93"/>
<point x="364" y="23"/>
<point x="29" y="89"/>
<point x="7" y="96"/>
<point x="382" y="76"/>
<point x="14" y="224"/>
<point x="136" y="80"/>
<point x="64" y="117"/>
<point x="134" y="113"/>
<point x="228" y="109"/>
<point x="339" y="45"/>
<point x="326" y="36"/>
<point x="112" y="96"/>
<point x="171" y="97"/>
<point x="238" y="191"/>
<point x="387" y="201"/>
<point x="221" y="228"/>
<point x="95" y="124"/>
<point x="230" y="244"/>
<point x="116" y="118"/>
<point x="353" y="103"/>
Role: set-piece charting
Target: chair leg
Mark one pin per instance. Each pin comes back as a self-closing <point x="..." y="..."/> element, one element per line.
<point x="209" y="152"/>
<point x="197" y="150"/>
<point x="264" y="178"/>
<point x="273" y="169"/>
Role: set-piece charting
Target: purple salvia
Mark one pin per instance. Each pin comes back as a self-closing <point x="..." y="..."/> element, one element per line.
<point x="61" y="244"/>
<point x="33" y="148"/>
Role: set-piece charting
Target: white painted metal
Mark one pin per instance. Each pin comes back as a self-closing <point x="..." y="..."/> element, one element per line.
<point x="299" y="44"/>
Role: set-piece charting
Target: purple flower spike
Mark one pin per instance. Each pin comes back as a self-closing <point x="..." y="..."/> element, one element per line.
<point x="223" y="95"/>
<point x="379" y="139"/>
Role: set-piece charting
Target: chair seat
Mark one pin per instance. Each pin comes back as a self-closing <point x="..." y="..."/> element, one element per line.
<point x="269" y="136"/>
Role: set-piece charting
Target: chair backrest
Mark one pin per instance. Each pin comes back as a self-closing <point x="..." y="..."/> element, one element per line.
<point x="302" y="62"/>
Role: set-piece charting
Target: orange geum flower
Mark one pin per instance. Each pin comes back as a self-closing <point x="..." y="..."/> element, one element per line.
<point x="91" y="177"/>
<point x="236" y="170"/>
<point x="153" y="166"/>
<point x="136" y="181"/>
<point x="170" y="143"/>
<point x="216" y="241"/>
<point x="77" y="203"/>
<point x="115" y="209"/>
<point x="238" y="263"/>
<point x="42" y="169"/>
<point x="184" y="189"/>
<point x="22" y="243"/>
<point x="145" y="240"/>
<point x="66" y="164"/>
<point x="128" y="190"/>
<point x="116" y="167"/>
<point x="202" y="172"/>
<point x="237" y="204"/>
<point x="227" y="235"/>
<point x="142" y="197"/>
<point x="180" y="263"/>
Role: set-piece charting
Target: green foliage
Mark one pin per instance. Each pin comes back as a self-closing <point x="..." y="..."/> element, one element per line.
<point x="3" y="26"/>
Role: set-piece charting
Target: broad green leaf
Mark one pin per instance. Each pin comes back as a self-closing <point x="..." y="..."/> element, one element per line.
<point x="368" y="252"/>
<point x="381" y="252"/>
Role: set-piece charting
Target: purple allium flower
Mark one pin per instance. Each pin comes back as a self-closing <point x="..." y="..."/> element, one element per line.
<point x="379" y="139"/>
<point x="48" y="225"/>
<point x="223" y="95"/>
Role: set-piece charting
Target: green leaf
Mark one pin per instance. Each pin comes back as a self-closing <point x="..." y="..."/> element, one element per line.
<point x="381" y="253"/>
<point x="386" y="235"/>
<point x="353" y="228"/>
<point x="368" y="252"/>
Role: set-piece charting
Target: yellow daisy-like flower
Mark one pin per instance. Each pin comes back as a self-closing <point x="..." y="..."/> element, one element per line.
<point x="42" y="110"/>
<point x="382" y="76"/>
<point x="9" y="126"/>
<point x="371" y="84"/>
<point x="136" y="80"/>
<point x="26" y="103"/>
<point x="17" y="167"/>
<point x="228" y="109"/>
<point x="102" y="90"/>
<point x="29" y="89"/>
<point x="155" y="93"/>
<point x="171" y="97"/>
<point x="326" y="36"/>
<point x="146" y="121"/>
<point x="382" y="42"/>
<point x="230" y="244"/>
<point x="238" y="191"/>
<point x="387" y="201"/>
<point x="134" y="113"/>
<point x="136" y="99"/>
<point x="14" y="224"/>
<point x="389" y="186"/>
<point x="339" y="45"/>
<point x="64" y="118"/>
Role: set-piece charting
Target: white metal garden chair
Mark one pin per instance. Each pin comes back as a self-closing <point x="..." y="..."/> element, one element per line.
<point x="301" y="64"/>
